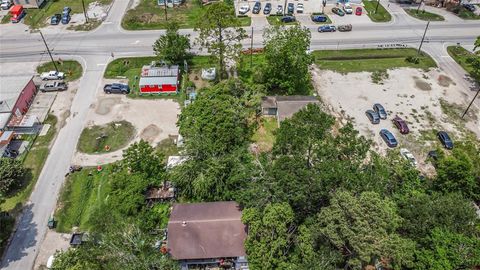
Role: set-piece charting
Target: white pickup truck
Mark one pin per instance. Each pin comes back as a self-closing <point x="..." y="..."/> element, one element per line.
<point x="52" y="75"/>
<point x="53" y="86"/>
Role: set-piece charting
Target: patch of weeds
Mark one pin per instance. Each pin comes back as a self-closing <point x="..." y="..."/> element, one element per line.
<point x="414" y="110"/>
<point x="379" y="76"/>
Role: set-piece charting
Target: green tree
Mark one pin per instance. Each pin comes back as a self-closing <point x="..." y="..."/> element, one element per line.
<point x="11" y="174"/>
<point x="363" y="228"/>
<point x="477" y="43"/>
<point x="474" y="63"/>
<point x="269" y="235"/>
<point x="287" y="60"/>
<point x="172" y="47"/>
<point x="140" y="157"/>
<point x="448" y="250"/>
<point x="219" y="36"/>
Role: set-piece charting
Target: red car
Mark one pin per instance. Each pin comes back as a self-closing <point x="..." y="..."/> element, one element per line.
<point x="358" y="11"/>
<point x="401" y="125"/>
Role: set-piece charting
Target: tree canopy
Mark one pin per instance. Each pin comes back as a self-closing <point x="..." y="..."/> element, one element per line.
<point x="11" y="174"/>
<point x="172" y="47"/>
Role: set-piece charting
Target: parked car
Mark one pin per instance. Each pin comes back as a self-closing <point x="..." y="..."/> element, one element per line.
<point x="256" y="8"/>
<point x="445" y="139"/>
<point x="267" y="9"/>
<point x="287" y="19"/>
<point x="401" y="125"/>
<point x="66" y="11"/>
<point x="372" y="116"/>
<point x="319" y="18"/>
<point x="469" y="7"/>
<point x="348" y="8"/>
<point x="299" y="8"/>
<point x="65" y="19"/>
<point x="116" y="88"/>
<point x="408" y="156"/>
<point x="388" y="137"/>
<point x="327" y="28"/>
<point x="17" y="13"/>
<point x="6" y="4"/>
<point x="244" y="9"/>
<point x="55" y="19"/>
<point x="53" y="86"/>
<point x="345" y="28"/>
<point x="358" y="11"/>
<point x="279" y="10"/>
<point x="338" y="11"/>
<point x="377" y="107"/>
<point x="290" y="8"/>
<point x="433" y="155"/>
<point x="52" y="75"/>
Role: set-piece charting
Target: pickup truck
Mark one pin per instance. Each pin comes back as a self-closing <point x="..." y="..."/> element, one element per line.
<point x="53" y="86"/>
<point x="52" y="75"/>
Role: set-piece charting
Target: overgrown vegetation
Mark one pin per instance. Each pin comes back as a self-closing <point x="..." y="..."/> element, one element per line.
<point x="381" y="14"/>
<point x="424" y="15"/>
<point x="464" y="13"/>
<point x="357" y="60"/>
<point x="106" y="138"/>
<point x="72" y="69"/>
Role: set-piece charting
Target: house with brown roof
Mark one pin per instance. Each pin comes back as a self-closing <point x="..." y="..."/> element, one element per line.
<point x="283" y="107"/>
<point x="211" y="234"/>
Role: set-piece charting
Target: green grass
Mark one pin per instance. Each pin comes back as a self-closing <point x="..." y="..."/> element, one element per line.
<point x="381" y="15"/>
<point x="249" y="65"/>
<point x="460" y="55"/>
<point x="131" y="67"/>
<point x="276" y="20"/>
<point x="37" y="18"/>
<point x="465" y="13"/>
<point x="370" y="60"/>
<point x="90" y="25"/>
<point x="167" y="147"/>
<point x="6" y="19"/>
<point x="32" y="160"/>
<point x="81" y="194"/>
<point x="264" y="136"/>
<point x="116" y="135"/>
<point x="329" y="21"/>
<point x="148" y="15"/>
<point x="72" y="69"/>
<point x="424" y="15"/>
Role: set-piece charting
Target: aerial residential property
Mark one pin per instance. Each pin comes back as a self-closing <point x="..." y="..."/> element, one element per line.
<point x="236" y="135"/>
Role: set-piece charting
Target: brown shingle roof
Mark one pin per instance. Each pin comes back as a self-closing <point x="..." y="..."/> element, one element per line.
<point x="206" y="230"/>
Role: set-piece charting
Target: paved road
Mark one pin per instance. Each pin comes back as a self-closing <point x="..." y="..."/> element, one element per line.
<point x="93" y="49"/>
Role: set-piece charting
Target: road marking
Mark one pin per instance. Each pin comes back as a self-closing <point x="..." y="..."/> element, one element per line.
<point x="136" y="42"/>
<point x="101" y="64"/>
<point x="444" y="56"/>
<point x="107" y="22"/>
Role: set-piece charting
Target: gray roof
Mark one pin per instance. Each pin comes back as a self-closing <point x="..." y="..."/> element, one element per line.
<point x="10" y="89"/>
<point x="287" y="105"/>
<point x="206" y="230"/>
<point x="158" y="80"/>
<point x="269" y="102"/>
<point x="164" y="71"/>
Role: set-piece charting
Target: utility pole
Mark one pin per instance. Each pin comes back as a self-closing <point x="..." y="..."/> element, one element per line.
<point x="251" y="50"/>
<point x="418" y="9"/>
<point x="84" y="11"/>
<point x="324" y="3"/>
<point x="471" y="102"/>
<point x="376" y="8"/>
<point x="48" y="50"/>
<point x="165" y="4"/>
<point x="285" y="8"/>
<point x="423" y="38"/>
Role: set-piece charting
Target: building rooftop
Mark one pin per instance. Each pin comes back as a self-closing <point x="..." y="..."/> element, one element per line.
<point x="163" y="71"/>
<point x="10" y="89"/>
<point x="287" y="105"/>
<point x="206" y="230"/>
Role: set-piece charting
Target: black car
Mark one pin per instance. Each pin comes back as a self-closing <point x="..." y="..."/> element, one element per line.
<point x="267" y="8"/>
<point x="388" y="137"/>
<point x="290" y="8"/>
<point x="66" y="11"/>
<point x="469" y="7"/>
<point x="378" y="108"/>
<point x="287" y="19"/>
<point x="373" y="116"/>
<point x="65" y="19"/>
<point x="55" y="19"/>
<point x="118" y="88"/>
<point x="445" y="139"/>
<point x="256" y="8"/>
<point x="319" y="18"/>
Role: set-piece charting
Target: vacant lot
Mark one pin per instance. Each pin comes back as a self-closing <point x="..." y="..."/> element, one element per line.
<point x="72" y="69"/>
<point x="371" y="60"/>
<point x="106" y="138"/>
<point x="379" y="14"/>
<point x="264" y="136"/>
<point x="149" y="15"/>
<point x="424" y="15"/>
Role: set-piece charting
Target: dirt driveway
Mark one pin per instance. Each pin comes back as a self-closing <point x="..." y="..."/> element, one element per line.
<point x="153" y="119"/>
<point x="421" y="98"/>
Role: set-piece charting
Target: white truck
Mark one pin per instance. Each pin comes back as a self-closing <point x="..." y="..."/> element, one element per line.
<point x="53" y="86"/>
<point x="52" y="75"/>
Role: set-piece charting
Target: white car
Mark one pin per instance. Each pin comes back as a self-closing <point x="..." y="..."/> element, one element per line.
<point x="52" y="75"/>
<point x="6" y="4"/>
<point x="408" y="156"/>
<point x="348" y="8"/>
<point x="244" y="9"/>
<point x="299" y="8"/>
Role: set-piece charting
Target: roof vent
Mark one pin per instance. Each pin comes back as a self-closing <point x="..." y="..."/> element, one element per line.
<point x="184" y="223"/>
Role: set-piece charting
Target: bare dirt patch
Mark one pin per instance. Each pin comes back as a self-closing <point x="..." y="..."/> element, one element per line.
<point x="421" y="84"/>
<point x="445" y="81"/>
<point x="150" y="133"/>
<point x="105" y="104"/>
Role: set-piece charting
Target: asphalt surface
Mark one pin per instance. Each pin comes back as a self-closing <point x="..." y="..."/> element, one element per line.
<point x="93" y="50"/>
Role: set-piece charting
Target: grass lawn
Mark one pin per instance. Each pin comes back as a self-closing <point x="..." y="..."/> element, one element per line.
<point x="264" y="136"/>
<point x="148" y="15"/>
<point x="381" y="15"/>
<point x="276" y="20"/>
<point x="37" y="18"/>
<point x="72" y="69"/>
<point x="33" y="160"/>
<point x="116" y="135"/>
<point x="370" y="60"/>
<point x="247" y="66"/>
<point x="424" y="15"/>
<point x="6" y="19"/>
<point x="131" y="67"/>
<point x="460" y="55"/>
<point x="466" y="14"/>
